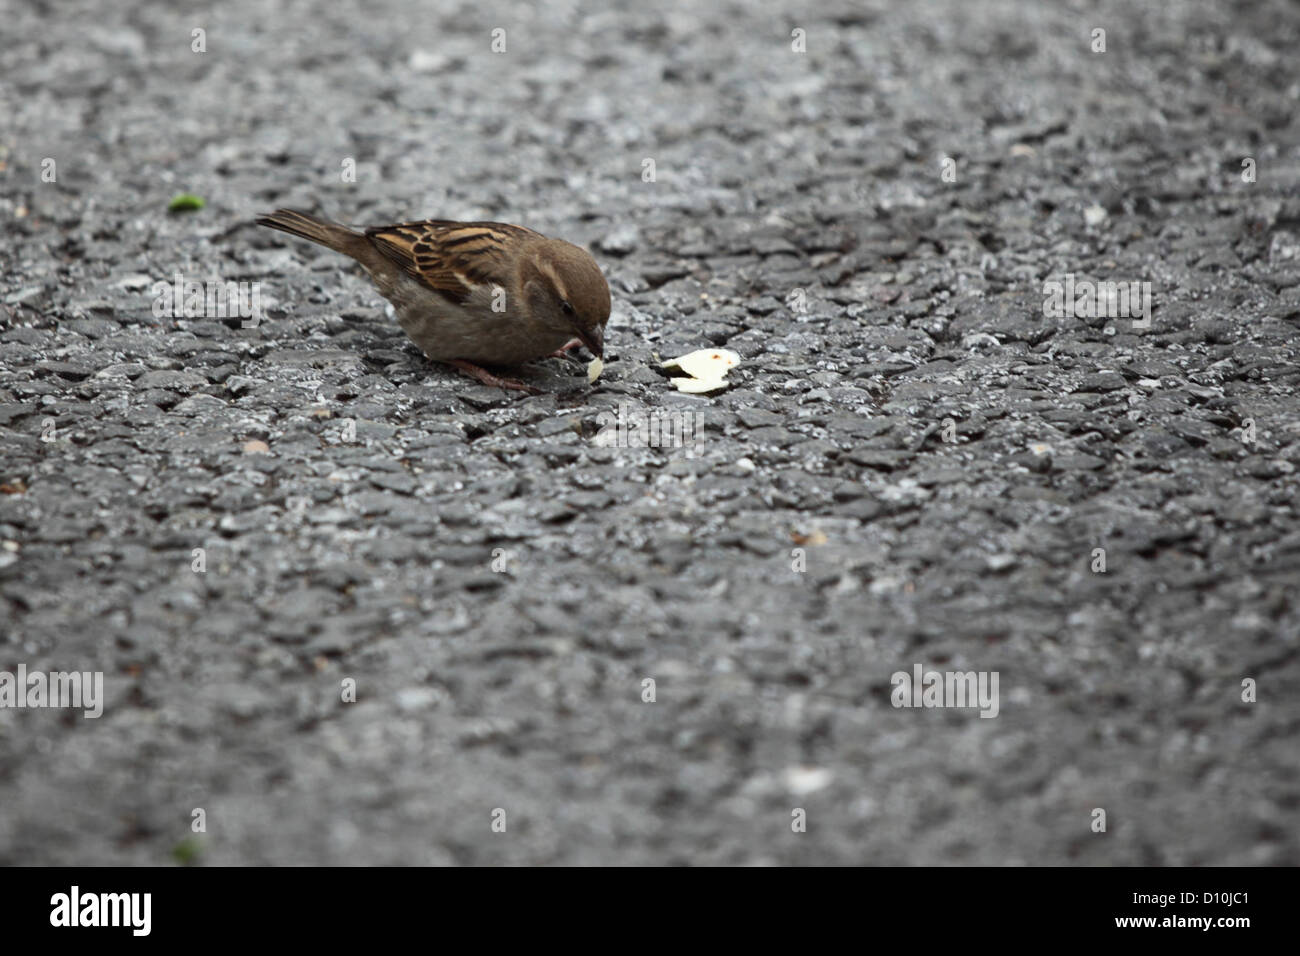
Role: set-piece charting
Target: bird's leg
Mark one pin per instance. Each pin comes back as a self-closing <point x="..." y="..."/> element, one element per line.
<point x="563" y="350"/>
<point x="487" y="378"/>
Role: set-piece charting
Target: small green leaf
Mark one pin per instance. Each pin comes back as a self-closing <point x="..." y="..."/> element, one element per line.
<point x="186" y="201"/>
<point x="187" y="852"/>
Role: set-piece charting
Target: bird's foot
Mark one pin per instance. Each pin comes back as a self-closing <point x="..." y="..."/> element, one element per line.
<point x="563" y="350"/>
<point x="487" y="378"/>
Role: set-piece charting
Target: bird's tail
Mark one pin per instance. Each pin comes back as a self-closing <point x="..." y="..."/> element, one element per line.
<point x="322" y="231"/>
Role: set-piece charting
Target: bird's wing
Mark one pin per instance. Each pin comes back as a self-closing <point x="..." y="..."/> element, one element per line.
<point x="451" y="258"/>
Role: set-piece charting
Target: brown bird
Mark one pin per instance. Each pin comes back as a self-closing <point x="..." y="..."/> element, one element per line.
<point x="474" y="293"/>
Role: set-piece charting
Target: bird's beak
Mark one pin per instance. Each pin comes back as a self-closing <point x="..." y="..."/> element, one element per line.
<point x="594" y="340"/>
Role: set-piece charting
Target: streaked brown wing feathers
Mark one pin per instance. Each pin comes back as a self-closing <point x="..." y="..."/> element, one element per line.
<point x="450" y="257"/>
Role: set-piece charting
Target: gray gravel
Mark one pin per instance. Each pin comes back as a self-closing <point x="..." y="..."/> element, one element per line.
<point x="940" y="457"/>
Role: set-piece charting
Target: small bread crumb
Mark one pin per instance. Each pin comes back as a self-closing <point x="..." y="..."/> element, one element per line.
<point x="706" y="370"/>
<point x="594" y="369"/>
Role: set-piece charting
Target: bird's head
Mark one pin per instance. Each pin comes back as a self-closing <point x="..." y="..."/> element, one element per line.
<point x="566" y="292"/>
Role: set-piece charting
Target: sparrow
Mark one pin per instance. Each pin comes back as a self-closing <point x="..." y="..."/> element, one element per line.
<point x="471" y="294"/>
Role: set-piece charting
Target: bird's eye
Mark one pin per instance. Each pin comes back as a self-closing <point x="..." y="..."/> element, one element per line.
<point x="566" y="307"/>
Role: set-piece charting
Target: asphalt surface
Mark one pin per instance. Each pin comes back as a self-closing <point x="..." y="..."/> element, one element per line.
<point x="916" y="462"/>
